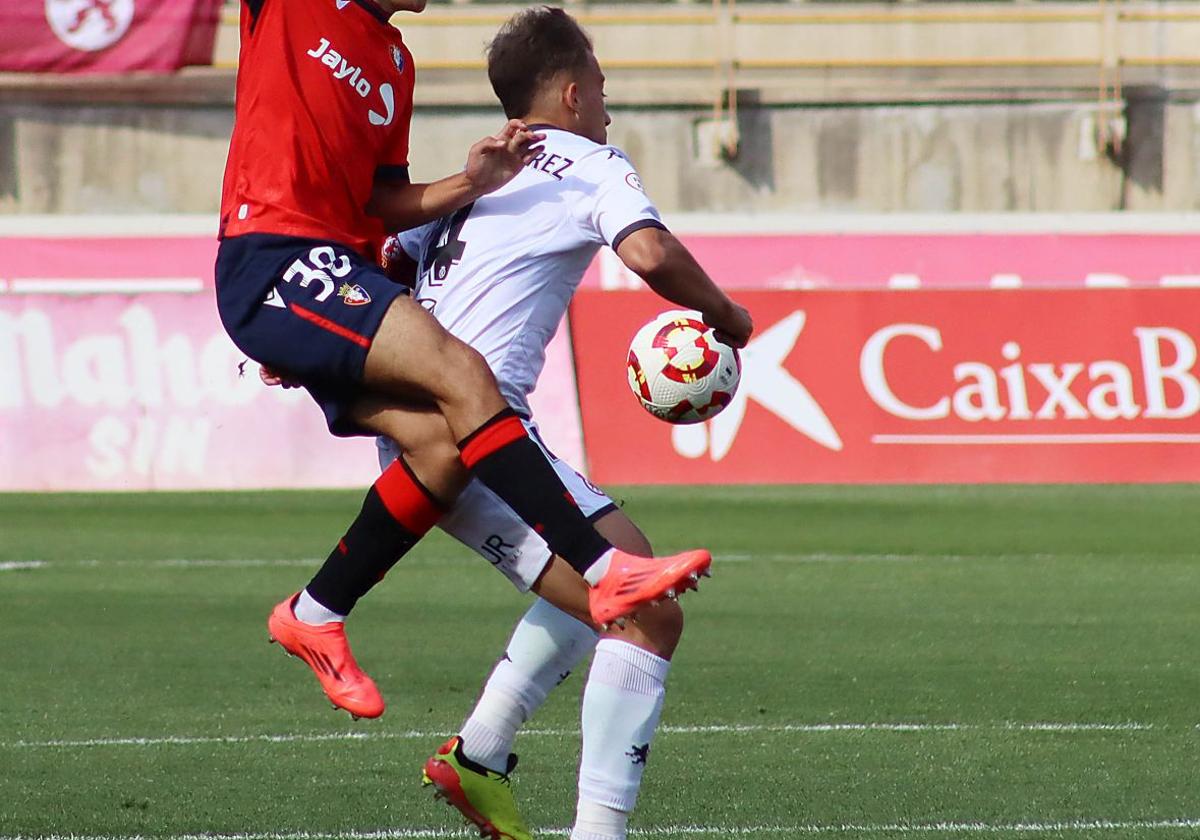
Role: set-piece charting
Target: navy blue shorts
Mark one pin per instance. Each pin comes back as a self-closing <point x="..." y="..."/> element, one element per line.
<point x="306" y="309"/>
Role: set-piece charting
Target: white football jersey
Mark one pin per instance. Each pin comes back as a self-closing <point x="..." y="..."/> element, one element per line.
<point x="499" y="273"/>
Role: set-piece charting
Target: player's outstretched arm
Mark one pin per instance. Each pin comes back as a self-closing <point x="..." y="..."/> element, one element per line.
<point x="670" y="270"/>
<point x="491" y="163"/>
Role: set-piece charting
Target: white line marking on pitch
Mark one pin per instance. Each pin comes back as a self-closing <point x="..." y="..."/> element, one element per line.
<point x="820" y="557"/>
<point x="21" y="565"/>
<point x="1082" y="727"/>
<point x="713" y="729"/>
<point x="733" y="558"/>
<point x="1046" y="826"/>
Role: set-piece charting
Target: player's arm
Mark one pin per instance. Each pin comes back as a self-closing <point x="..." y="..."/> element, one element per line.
<point x="668" y="268"/>
<point x="491" y="163"/>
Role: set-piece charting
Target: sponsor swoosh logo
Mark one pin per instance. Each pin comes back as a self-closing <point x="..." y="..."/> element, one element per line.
<point x="765" y="381"/>
<point x="389" y="104"/>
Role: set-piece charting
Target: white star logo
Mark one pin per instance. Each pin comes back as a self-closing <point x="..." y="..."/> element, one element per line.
<point x="764" y="380"/>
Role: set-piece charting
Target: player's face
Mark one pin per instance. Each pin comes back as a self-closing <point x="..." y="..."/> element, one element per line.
<point x="593" y="115"/>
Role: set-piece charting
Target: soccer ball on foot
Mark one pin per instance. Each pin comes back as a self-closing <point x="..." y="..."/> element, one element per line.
<point x="679" y="371"/>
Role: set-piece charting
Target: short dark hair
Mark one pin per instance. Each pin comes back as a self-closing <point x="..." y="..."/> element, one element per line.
<point x="531" y="48"/>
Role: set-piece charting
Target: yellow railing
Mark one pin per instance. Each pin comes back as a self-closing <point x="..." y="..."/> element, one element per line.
<point x="1018" y="15"/>
<point x="727" y="20"/>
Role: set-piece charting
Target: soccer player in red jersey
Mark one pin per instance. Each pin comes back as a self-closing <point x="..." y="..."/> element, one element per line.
<point x="317" y="172"/>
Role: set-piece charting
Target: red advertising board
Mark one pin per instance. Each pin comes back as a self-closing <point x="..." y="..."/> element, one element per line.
<point x="925" y="386"/>
<point x="115" y="373"/>
<point x="930" y="260"/>
<point x="106" y="36"/>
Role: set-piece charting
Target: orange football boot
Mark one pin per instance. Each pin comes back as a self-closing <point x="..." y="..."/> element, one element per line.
<point x="325" y="649"/>
<point x="632" y="582"/>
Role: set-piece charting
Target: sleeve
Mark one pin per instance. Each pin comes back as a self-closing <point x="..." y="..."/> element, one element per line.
<point x="412" y="241"/>
<point x="393" y="168"/>
<point x="393" y="160"/>
<point x="619" y="204"/>
<point x="402" y="254"/>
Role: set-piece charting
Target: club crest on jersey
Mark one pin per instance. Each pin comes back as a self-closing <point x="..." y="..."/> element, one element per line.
<point x="354" y="295"/>
<point x="634" y="181"/>
<point x="398" y="58"/>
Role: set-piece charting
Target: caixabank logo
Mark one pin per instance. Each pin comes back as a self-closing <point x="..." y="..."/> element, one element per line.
<point x="979" y="386"/>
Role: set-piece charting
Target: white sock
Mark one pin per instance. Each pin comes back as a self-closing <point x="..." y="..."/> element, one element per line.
<point x="311" y="611"/>
<point x="621" y="707"/>
<point x="545" y="646"/>
<point x="598" y="569"/>
<point x="594" y="821"/>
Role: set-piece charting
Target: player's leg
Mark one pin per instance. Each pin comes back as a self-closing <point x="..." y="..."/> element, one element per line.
<point x="471" y="769"/>
<point x="622" y="704"/>
<point x="276" y="297"/>
<point x="413" y="491"/>
<point x="410" y="495"/>
<point x="548" y="643"/>
<point x="622" y="699"/>
<point x="412" y="354"/>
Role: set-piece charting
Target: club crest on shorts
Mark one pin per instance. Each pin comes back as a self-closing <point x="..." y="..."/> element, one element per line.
<point x="354" y="295"/>
<point x="398" y="58"/>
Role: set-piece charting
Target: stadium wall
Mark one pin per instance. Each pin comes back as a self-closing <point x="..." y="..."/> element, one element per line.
<point x="82" y="158"/>
<point x="889" y="348"/>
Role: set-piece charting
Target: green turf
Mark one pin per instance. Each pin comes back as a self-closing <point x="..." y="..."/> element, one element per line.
<point x="992" y="609"/>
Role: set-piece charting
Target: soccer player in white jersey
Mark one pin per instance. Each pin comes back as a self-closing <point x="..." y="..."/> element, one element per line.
<point x="499" y="275"/>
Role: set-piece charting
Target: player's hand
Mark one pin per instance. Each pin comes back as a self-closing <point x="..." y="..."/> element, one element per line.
<point x="495" y="160"/>
<point x="732" y="325"/>
<point x="270" y="377"/>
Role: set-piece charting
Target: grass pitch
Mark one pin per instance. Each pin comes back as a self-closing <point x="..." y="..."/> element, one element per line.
<point x="868" y="663"/>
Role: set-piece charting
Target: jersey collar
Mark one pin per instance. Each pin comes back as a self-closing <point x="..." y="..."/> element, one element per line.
<point x="375" y="9"/>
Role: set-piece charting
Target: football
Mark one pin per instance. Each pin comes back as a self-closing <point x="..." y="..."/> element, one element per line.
<point x="679" y="371"/>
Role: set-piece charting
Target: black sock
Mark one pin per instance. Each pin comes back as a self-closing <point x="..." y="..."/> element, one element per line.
<point x="501" y="455"/>
<point x="396" y="513"/>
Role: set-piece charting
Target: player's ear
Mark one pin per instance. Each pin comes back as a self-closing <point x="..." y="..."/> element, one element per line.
<point x="570" y="94"/>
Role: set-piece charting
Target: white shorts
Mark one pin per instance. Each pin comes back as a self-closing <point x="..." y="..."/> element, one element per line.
<point x="482" y="522"/>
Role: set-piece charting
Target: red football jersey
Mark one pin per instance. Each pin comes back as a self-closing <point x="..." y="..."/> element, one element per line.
<point x="324" y="101"/>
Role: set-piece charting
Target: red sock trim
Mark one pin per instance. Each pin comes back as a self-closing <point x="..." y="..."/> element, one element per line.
<point x="407" y="500"/>
<point x="490" y="438"/>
